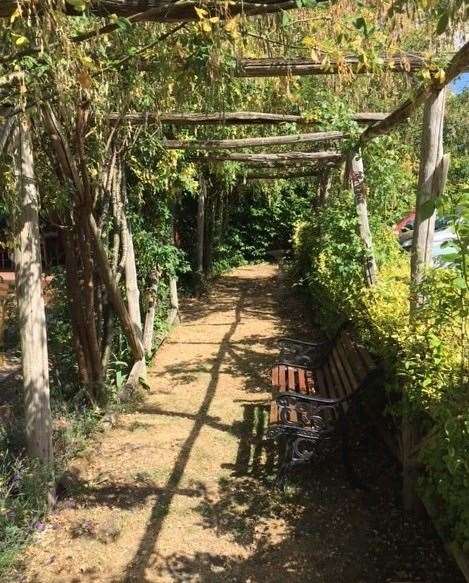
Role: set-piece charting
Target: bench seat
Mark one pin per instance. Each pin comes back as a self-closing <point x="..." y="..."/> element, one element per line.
<point x="310" y="403"/>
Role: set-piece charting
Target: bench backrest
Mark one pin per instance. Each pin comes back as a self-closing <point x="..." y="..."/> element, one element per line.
<point x="347" y="365"/>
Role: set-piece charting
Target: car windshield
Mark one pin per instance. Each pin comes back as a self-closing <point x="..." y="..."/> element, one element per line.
<point x="441" y="223"/>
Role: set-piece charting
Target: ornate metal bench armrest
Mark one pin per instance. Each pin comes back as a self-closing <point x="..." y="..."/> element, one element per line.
<point x="294" y="364"/>
<point x="312" y="398"/>
<point x="300" y="352"/>
<point x="317" y="344"/>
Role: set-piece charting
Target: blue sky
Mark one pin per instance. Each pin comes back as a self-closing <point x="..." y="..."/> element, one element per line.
<point x="460" y="83"/>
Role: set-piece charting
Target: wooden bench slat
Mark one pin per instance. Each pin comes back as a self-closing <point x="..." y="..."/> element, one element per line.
<point x="311" y="388"/>
<point x="337" y="381"/>
<point x="275" y="380"/>
<point x="354" y="357"/>
<point x="282" y="376"/>
<point x="302" y="381"/>
<point x="343" y="366"/>
<point x="330" y="381"/>
<point x="291" y="379"/>
<point x="354" y="382"/>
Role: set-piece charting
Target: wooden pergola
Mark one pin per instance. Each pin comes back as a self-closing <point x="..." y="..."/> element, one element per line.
<point x="290" y="164"/>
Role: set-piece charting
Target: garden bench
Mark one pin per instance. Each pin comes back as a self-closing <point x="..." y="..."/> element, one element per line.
<point x="310" y="403"/>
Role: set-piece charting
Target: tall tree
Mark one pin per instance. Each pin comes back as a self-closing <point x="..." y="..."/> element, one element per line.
<point x="31" y="311"/>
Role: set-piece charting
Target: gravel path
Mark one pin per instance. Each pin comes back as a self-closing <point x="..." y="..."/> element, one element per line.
<point x="180" y="490"/>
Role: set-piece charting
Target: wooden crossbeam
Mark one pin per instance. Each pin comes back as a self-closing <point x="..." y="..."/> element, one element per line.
<point x="231" y="118"/>
<point x="282" y="175"/>
<point x="166" y="10"/>
<point x="458" y="64"/>
<point x="281" y="67"/>
<point x="284" y="158"/>
<point x="211" y="145"/>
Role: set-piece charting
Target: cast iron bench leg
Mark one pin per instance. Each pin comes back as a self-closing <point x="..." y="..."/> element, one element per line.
<point x="285" y="465"/>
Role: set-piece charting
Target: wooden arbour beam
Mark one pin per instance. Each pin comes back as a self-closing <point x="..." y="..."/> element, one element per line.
<point x="231" y="118"/>
<point x="211" y="145"/>
<point x="458" y="64"/>
<point x="167" y="10"/>
<point x="281" y="67"/>
<point x="282" y="175"/>
<point x="284" y="158"/>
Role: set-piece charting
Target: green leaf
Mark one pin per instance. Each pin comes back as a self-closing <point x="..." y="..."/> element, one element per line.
<point x="428" y="208"/>
<point x="460" y="283"/>
<point x="123" y="24"/>
<point x="78" y="5"/>
<point x="442" y="23"/>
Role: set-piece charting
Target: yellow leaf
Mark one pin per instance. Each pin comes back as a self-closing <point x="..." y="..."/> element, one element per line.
<point x="21" y="40"/>
<point x="441" y="76"/>
<point x="206" y="26"/>
<point x="426" y="74"/>
<point x="231" y="25"/>
<point x="201" y="13"/>
<point x="15" y="15"/>
<point x="214" y="19"/>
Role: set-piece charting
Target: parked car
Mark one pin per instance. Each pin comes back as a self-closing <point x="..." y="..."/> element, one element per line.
<point x="443" y="233"/>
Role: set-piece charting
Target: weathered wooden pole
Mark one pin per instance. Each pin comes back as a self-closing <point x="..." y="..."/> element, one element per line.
<point x="432" y="175"/>
<point x="357" y="181"/>
<point x="131" y="280"/>
<point x="31" y="311"/>
<point x="324" y="186"/>
<point x="151" y="301"/>
<point x="174" y="301"/>
<point x="216" y="145"/>
<point x="201" y="229"/>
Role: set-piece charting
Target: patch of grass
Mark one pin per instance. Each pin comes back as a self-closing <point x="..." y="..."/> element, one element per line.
<point x="24" y="484"/>
<point x="23" y="500"/>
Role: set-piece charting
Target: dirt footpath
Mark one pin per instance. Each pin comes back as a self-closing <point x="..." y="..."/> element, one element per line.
<point x="180" y="490"/>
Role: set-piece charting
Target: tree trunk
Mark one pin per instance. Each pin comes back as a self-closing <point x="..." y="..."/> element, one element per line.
<point x="114" y="294"/>
<point x="429" y="187"/>
<point x="78" y="321"/>
<point x="131" y="280"/>
<point x="32" y="318"/>
<point x="357" y="179"/>
<point x="201" y="230"/>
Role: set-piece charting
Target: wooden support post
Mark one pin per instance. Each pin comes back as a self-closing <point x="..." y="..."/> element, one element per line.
<point x="151" y="301"/>
<point x="131" y="280"/>
<point x="433" y="171"/>
<point x="432" y="175"/>
<point x="357" y="180"/>
<point x="31" y="311"/>
<point x="324" y="186"/>
<point x="201" y="230"/>
<point x="174" y="301"/>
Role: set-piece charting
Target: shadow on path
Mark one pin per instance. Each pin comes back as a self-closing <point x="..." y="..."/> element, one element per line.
<point x="135" y="570"/>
